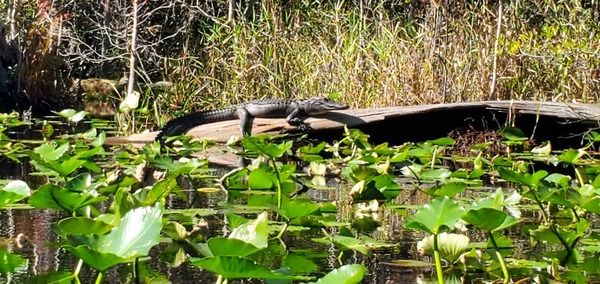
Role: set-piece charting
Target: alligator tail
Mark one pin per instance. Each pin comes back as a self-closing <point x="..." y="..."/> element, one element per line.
<point x="184" y="123"/>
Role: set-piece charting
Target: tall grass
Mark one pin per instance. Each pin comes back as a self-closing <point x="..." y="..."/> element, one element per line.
<point x="545" y="50"/>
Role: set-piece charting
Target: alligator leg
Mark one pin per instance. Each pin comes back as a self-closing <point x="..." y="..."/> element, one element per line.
<point x="246" y="120"/>
<point x="294" y="120"/>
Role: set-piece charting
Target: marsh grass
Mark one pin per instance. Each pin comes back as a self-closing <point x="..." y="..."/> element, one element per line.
<point x="545" y="50"/>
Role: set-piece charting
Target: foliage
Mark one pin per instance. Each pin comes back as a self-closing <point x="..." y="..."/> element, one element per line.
<point x="115" y="209"/>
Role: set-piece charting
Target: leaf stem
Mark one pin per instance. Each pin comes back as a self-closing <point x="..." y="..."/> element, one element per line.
<point x="100" y="278"/>
<point x="277" y="182"/>
<point x="78" y="268"/>
<point x="438" y="261"/>
<point x="500" y="258"/>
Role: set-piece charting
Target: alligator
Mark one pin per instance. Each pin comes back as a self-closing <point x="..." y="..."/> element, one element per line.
<point x="293" y="111"/>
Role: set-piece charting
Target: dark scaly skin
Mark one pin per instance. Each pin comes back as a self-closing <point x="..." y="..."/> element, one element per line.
<point x="292" y="110"/>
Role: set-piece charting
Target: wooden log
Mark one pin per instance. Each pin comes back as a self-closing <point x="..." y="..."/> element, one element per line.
<point x="222" y="131"/>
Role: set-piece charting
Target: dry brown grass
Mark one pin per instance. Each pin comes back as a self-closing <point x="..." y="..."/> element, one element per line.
<point x="544" y="52"/>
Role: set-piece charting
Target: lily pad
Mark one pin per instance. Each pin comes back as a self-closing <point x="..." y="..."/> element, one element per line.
<point x="137" y="233"/>
<point x="435" y="216"/>
<point x="13" y="192"/>
<point x="235" y="267"/>
<point x="347" y="274"/>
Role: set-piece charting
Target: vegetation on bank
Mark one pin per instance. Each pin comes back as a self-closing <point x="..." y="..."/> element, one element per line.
<point x="372" y="53"/>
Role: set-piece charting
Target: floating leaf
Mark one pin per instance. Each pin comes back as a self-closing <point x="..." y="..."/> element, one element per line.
<point x="298" y="207"/>
<point x="299" y="264"/>
<point x="347" y="274"/>
<point x="53" y="197"/>
<point x="235" y="267"/>
<point x="448" y="189"/>
<point x="435" y="174"/>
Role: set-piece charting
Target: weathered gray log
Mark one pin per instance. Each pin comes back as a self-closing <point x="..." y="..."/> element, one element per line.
<point x="222" y="131"/>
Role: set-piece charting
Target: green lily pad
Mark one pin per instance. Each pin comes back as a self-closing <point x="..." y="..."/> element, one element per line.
<point x="437" y="215"/>
<point x="137" y="233"/>
<point x="527" y="179"/>
<point x="254" y="232"/>
<point x="9" y="262"/>
<point x="489" y="219"/>
<point x="53" y="197"/>
<point x="347" y="274"/>
<point x="14" y="191"/>
<point x="260" y="179"/>
<point x="270" y="150"/>
<point x="230" y="247"/>
<point x="298" y="207"/>
<point x="235" y="267"/>
<point x="82" y="226"/>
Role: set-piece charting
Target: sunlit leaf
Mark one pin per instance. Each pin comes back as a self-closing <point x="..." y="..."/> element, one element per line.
<point x="571" y="156"/>
<point x="137" y="233"/>
<point x="54" y="197"/>
<point x="514" y="134"/>
<point x="66" y="113"/>
<point x="254" y="232"/>
<point x="78" y="116"/>
<point x="444" y="141"/>
<point x="448" y="189"/>
<point x="9" y="262"/>
<point x="347" y="274"/>
<point x="49" y="152"/>
<point x="175" y="231"/>
<point x="234" y="267"/>
<point x="130" y="102"/>
<point x="230" y="247"/>
<point x="13" y="192"/>
<point x="437" y="215"/>
<point x="298" y="207"/>
<point x="80" y="182"/>
<point x="435" y="174"/>
<point x="489" y="219"/>
<point x="260" y="179"/>
<point x="527" y="179"/>
<point x="82" y="226"/>
<point x="268" y="149"/>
